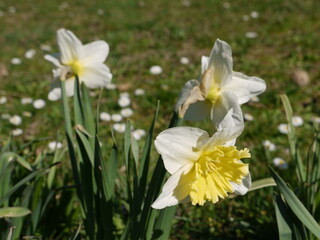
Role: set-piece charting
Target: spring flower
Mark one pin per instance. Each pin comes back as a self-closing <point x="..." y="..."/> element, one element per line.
<point x="39" y="103"/>
<point x="54" y="145"/>
<point x="184" y="60"/>
<point x="124" y="101"/>
<point x="16" y="61"/>
<point x="17" y="132"/>
<point x="138" y="134"/>
<point x="283" y="128"/>
<point x="297" y="121"/>
<point x="219" y="90"/>
<point x="3" y="100"/>
<point x="202" y="168"/>
<point x="126" y="112"/>
<point x="119" y="127"/>
<point x="15" y="120"/>
<point x="268" y="145"/>
<point x="85" y="61"/>
<point x="26" y="100"/>
<point x="139" y="92"/>
<point x="248" y="117"/>
<point x="280" y="163"/>
<point x="105" y="116"/>
<point x="155" y="70"/>
<point x="30" y="53"/>
<point x="116" y="117"/>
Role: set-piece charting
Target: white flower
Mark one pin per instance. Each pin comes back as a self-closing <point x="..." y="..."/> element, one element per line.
<point x="245" y="17"/>
<point x="226" y="5"/>
<point x="219" y="89"/>
<point x="184" y="60"/>
<point x="15" y="120"/>
<point x="116" y="117"/>
<point x="139" y="92"/>
<point x="85" y="61"/>
<point x="124" y="95"/>
<point x="155" y="70"/>
<point x="186" y="3"/>
<point x="269" y="145"/>
<point x="5" y="116"/>
<point x="30" y="53"/>
<point x="100" y="12"/>
<point x="124" y="101"/>
<point x="119" y="127"/>
<point x="254" y="14"/>
<point x="39" y="103"/>
<point x="27" y="114"/>
<point x="12" y="9"/>
<point x="17" y="132"/>
<point x="16" y="61"/>
<point x="297" y="121"/>
<point x="138" y="133"/>
<point x="54" y="145"/>
<point x="280" y="163"/>
<point x="105" y="116"/>
<point x="3" y="100"/>
<point x="202" y="168"/>
<point x="315" y="119"/>
<point x="111" y="86"/>
<point x="283" y="128"/>
<point x="26" y="100"/>
<point x="126" y="112"/>
<point x="251" y="34"/>
<point x="45" y="47"/>
<point x="248" y="117"/>
<point x="255" y="99"/>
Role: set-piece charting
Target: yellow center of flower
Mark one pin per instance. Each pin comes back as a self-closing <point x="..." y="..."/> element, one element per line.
<point x="213" y="93"/>
<point x="210" y="177"/>
<point x="76" y="67"/>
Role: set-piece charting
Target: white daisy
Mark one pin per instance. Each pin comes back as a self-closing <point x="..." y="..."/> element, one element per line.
<point x="17" y="132"/>
<point x="39" y="103"/>
<point x="280" y="163"/>
<point x="124" y="101"/>
<point x="54" y="145"/>
<point x="3" y="100"/>
<point x="155" y="70"/>
<point x="248" y="117"/>
<point x="297" y="121"/>
<point x="105" y="116"/>
<point x="116" y="117"/>
<point x="26" y="100"/>
<point x="283" y="128"/>
<point x="184" y="60"/>
<point x="30" y="53"/>
<point x="139" y="92"/>
<point x="16" y="61"/>
<point x="15" y="120"/>
<point x="119" y="127"/>
<point x="126" y="112"/>
<point x="268" y="145"/>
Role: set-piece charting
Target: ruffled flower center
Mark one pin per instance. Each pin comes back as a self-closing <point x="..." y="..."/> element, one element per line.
<point x="210" y="177"/>
<point x="213" y="93"/>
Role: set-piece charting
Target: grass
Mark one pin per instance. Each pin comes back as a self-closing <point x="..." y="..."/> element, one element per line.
<point x="146" y="33"/>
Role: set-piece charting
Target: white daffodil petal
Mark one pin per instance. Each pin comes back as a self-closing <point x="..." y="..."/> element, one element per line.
<point x="167" y="197"/>
<point x="221" y="61"/>
<point x="227" y="101"/>
<point x="242" y="189"/>
<point x="228" y="130"/>
<point x="69" y="45"/>
<point x="53" y="58"/>
<point x="177" y="146"/>
<point x="198" y="111"/>
<point x="185" y="92"/>
<point x="94" y="52"/>
<point x="245" y="87"/>
<point x="95" y="76"/>
<point x="204" y="63"/>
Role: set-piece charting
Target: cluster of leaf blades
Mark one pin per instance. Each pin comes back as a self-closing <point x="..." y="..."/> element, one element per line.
<point x="95" y="175"/>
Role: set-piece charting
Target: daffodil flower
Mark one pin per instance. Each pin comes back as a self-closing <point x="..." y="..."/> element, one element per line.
<point x="220" y="88"/>
<point x="74" y="58"/>
<point x="202" y="168"/>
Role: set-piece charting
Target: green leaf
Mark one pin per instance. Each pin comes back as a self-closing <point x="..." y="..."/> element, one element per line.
<point x="12" y="212"/>
<point x="163" y="223"/>
<point x="283" y="218"/>
<point x="262" y="183"/>
<point x="77" y="105"/>
<point x="295" y="205"/>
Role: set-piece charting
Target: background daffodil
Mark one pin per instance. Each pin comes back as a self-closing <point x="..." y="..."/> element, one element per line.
<point x="74" y="58"/>
<point x="219" y="89"/>
<point x="202" y="168"/>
